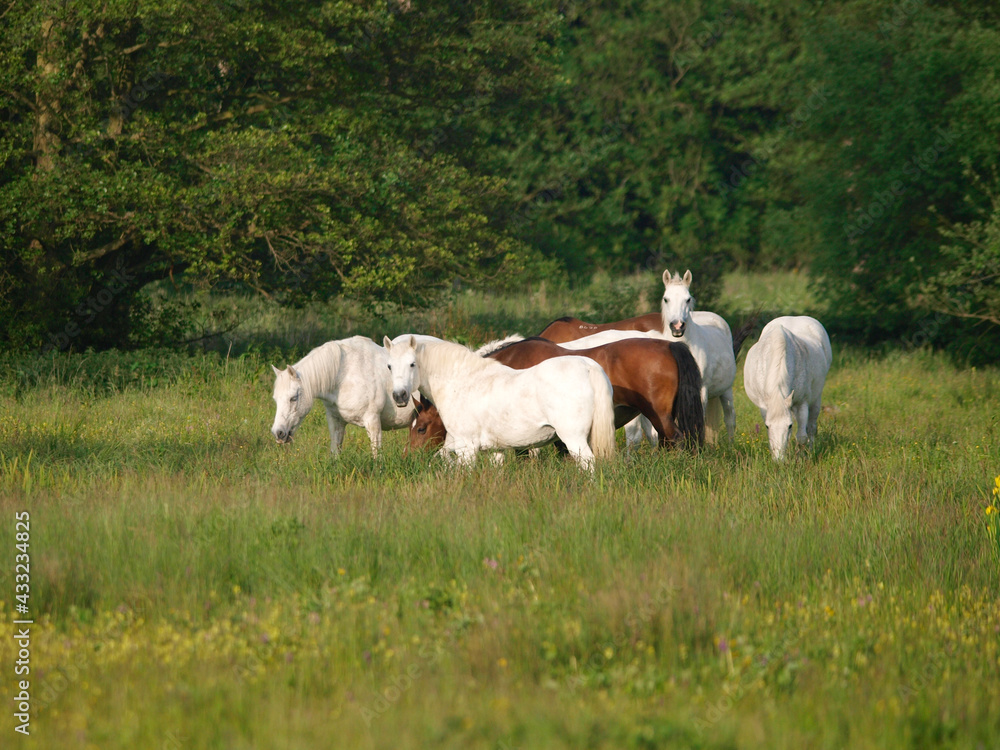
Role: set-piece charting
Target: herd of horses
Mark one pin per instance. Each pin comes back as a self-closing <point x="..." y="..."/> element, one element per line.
<point x="666" y="377"/>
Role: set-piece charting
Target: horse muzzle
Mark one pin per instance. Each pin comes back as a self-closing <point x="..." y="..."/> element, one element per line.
<point x="401" y="398"/>
<point x="677" y="329"/>
<point x="282" y="437"/>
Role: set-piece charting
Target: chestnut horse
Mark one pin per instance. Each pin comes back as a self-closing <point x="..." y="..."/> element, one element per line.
<point x="658" y="379"/>
<point x="713" y="345"/>
<point x="570" y="329"/>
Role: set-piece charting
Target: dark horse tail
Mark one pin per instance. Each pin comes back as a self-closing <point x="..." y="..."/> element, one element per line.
<point x="688" y="414"/>
<point x="743" y="331"/>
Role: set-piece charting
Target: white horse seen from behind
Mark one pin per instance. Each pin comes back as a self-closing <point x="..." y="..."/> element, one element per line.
<point x="351" y="379"/>
<point x="784" y="376"/>
<point x="487" y="406"/>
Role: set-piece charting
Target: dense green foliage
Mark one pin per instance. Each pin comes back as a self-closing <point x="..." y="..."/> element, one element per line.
<point x="302" y="149"/>
<point x="384" y="151"/>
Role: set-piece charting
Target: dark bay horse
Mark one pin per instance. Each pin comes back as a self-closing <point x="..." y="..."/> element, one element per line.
<point x="658" y="379"/>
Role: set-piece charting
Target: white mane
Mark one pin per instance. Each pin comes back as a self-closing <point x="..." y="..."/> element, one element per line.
<point x="489" y="348"/>
<point x="447" y="356"/>
<point x="318" y="370"/>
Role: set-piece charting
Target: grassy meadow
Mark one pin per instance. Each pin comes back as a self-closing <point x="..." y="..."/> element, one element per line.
<point x="195" y="585"/>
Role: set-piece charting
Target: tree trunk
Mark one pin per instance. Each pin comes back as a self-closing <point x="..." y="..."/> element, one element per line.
<point x="47" y="141"/>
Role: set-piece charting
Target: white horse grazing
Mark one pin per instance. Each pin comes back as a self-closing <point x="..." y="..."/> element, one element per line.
<point x="487" y="406"/>
<point x="352" y="380"/>
<point x="784" y="376"/>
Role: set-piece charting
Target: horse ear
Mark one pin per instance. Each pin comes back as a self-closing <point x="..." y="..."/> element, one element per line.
<point x="277" y="372"/>
<point x="413" y="341"/>
<point x="293" y="372"/>
<point x="387" y="343"/>
<point x="788" y="401"/>
<point x="666" y="277"/>
<point x="687" y="278"/>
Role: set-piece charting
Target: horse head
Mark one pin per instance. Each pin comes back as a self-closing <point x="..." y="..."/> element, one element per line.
<point x="427" y="430"/>
<point x="292" y="401"/>
<point x="677" y="302"/>
<point x="779" y="425"/>
<point x="403" y="366"/>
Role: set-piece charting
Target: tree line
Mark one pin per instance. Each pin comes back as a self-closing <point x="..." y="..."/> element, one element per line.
<point x="382" y="150"/>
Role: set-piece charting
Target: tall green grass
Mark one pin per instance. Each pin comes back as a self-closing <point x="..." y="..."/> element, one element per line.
<point x="195" y="585"/>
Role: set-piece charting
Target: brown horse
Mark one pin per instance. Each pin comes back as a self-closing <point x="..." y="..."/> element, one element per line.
<point x="570" y="329"/>
<point x="658" y="379"/>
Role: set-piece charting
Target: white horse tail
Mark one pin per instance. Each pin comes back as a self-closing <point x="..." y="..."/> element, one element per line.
<point x="602" y="429"/>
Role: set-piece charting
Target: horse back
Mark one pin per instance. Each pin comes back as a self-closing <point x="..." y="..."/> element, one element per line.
<point x="804" y="346"/>
<point x="521" y="355"/>
<point x="571" y="329"/>
<point x="810" y="332"/>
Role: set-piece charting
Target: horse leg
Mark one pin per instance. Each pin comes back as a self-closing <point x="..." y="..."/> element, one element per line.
<point x="638" y="429"/>
<point x="729" y="411"/>
<point x="814" y="410"/>
<point x="713" y="419"/>
<point x="649" y="431"/>
<point x="665" y="427"/>
<point x="337" y="427"/>
<point x="802" y="434"/>
<point x="581" y="453"/>
<point x="373" y="425"/>
<point x="633" y="434"/>
<point x="465" y="453"/>
<point x="576" y="444"/>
